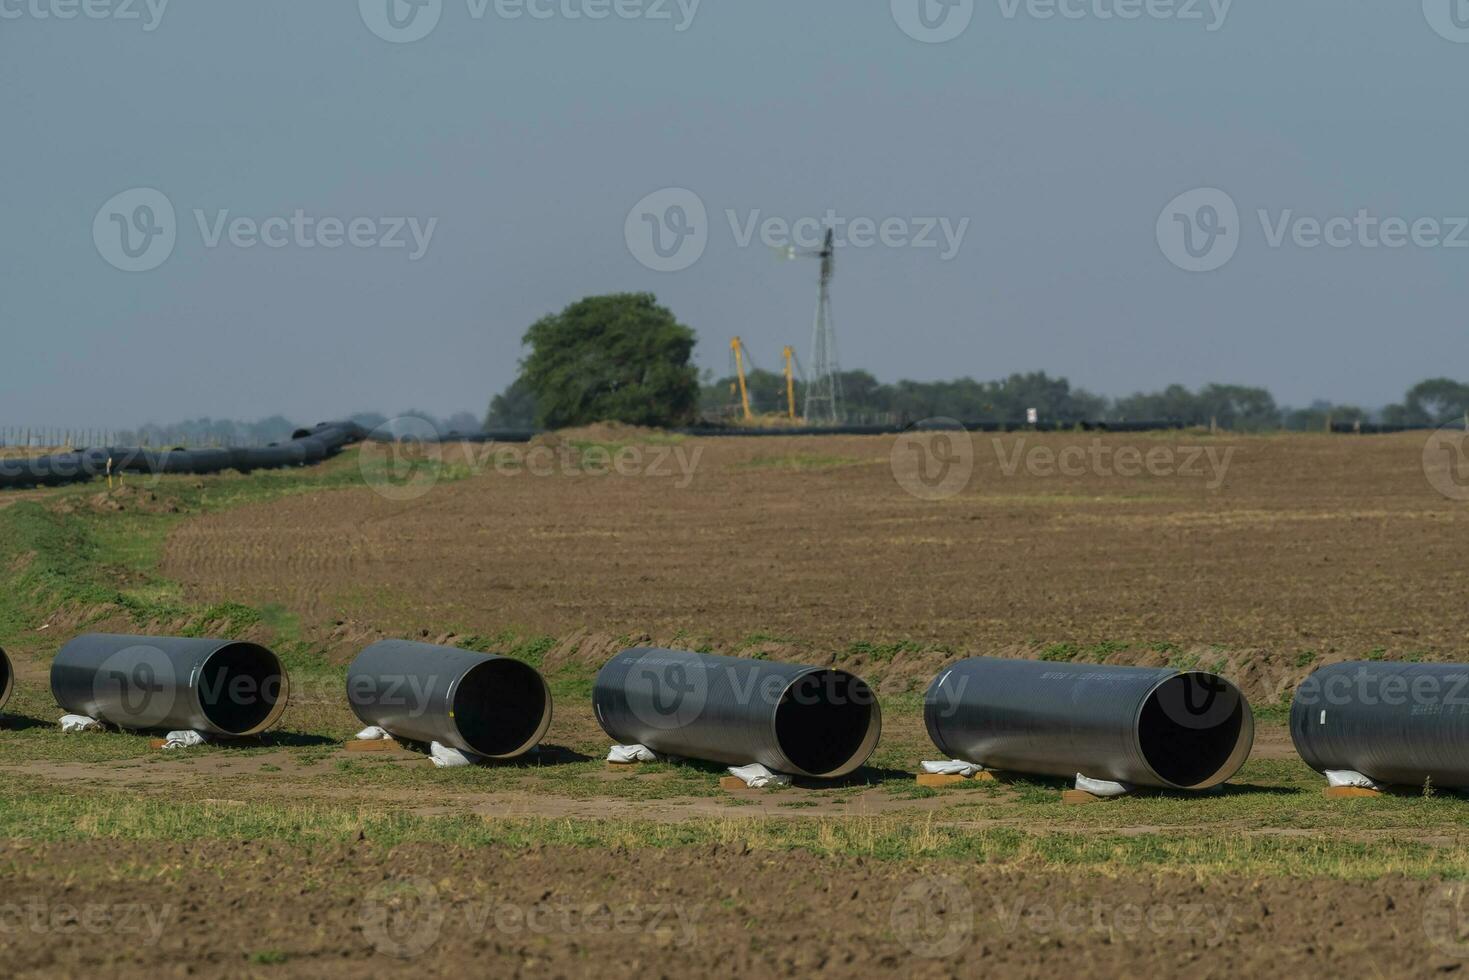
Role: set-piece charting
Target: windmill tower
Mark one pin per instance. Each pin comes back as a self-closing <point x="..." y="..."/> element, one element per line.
<point x="824" y="387"/>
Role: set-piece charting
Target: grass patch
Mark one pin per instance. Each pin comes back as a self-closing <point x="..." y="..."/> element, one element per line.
<point x="43" y="815"/>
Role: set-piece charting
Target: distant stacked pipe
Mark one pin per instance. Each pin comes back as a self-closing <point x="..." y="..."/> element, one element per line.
<point x="306" y="446"/>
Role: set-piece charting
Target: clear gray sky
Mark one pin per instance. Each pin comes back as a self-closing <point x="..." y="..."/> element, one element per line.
<point x="519" y="146"/>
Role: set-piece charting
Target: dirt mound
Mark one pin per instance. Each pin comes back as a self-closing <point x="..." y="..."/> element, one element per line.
<point x="606" y="432"/>
<point x="590" y="648"/>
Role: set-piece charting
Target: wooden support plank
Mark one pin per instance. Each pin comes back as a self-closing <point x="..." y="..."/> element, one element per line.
<point x="934" y="779"/>
<point x="1351" y="792"/>
<point x="1080" y="797"/>
<point x="373" y="745"/>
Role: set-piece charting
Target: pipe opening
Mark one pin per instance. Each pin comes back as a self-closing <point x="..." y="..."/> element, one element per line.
<point x="827" y="723"/>
<point x="1195" y="730"/>
<point x="502" y="708"/>
<point x="7" y="678"/>
<point x="242" y="689"/>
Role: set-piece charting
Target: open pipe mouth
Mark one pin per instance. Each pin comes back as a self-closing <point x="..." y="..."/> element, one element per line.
<point x="827" y="723"/>
<point x="502" y="708"/>
<point x="7" y="678"/>
<point x="242" y="689"/>
<point x="1195" y="730"/>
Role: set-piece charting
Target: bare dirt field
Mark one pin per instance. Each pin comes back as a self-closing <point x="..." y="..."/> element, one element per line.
<point x="1333" y="547"/>
<point x="720" y="910"/>
<point x="1260" y="557"/>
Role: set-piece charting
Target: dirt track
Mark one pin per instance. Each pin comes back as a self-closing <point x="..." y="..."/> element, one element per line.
<point x="366" y="911"/>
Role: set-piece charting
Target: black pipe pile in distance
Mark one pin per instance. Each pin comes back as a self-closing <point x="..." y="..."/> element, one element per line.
<point x="1161" y="727"/>
<point x="7" y="678"/>
<point x="489" y="706"/>
<point x="305" y="447"/>
<point x="226" y="688"/>
<point x="800" y="720"/>
<point x="1396" y="723"/>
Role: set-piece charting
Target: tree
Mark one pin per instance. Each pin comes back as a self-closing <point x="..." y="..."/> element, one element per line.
<point x="1435" y="401"/>
<point x="617" y="358"/>
<point x="513" y="408"/>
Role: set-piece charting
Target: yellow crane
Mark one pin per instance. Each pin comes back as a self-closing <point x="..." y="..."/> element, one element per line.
<point x="738" y="348"/>
<point x="740" y="355"/>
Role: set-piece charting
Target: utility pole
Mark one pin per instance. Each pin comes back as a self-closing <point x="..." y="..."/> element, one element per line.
<point x="824" y="388"/>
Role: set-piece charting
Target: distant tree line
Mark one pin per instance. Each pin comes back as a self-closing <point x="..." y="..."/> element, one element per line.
<point x="1236" y="407"/>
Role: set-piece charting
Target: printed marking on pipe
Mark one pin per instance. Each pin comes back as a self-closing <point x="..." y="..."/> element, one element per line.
<point x="1323" y="716"/>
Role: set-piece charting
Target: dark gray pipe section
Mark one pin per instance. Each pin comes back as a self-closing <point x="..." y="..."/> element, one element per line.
<point x="220" y="687"/>
<point x="306" y="446"/>
<point x="1150" y="727"/>
<point x="495" y="707"/>
<point x="7" y="678"/>
<point x="1404" y="724"/>
<point x="806" y="721"/>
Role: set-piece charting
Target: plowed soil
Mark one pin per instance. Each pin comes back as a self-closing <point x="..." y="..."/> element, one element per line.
<point x="444" y="912"/>
<point x="1295" y="552"/>
<point x="1299" y="551"/>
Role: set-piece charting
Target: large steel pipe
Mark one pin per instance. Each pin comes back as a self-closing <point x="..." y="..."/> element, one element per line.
<point x="7" y="678"/>
<point x="495" y="707"/>
<point x="220" y="687"/>
<point x="806" y="721"/>
<point x="1150" y="727"/>
<point x="1405" y="724"/>
<point x="306" y="446"/>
